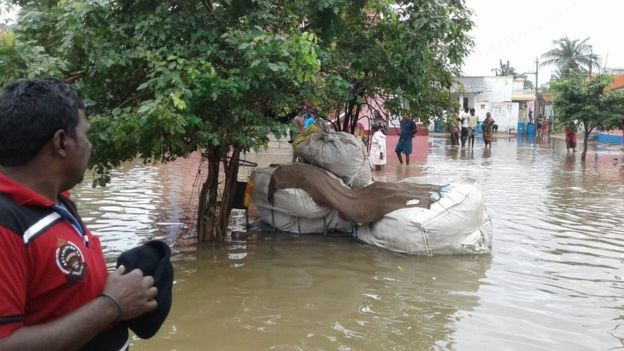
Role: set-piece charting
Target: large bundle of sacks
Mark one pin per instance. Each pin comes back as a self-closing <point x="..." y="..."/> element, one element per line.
<point x="457" y="223"/>
<point x="415" y="216"/>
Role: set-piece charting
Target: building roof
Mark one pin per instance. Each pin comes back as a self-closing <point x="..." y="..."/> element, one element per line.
<point x="618" y="83"/>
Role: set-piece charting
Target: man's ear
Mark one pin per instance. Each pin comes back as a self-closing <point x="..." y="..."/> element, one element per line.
<point x="59" y="143"/>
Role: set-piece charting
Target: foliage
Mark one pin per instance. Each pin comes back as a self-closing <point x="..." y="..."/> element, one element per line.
<point x="405" y="54"/>
<point x="20" y="59"/>
<point x="584" y="101"/>
<point x="163" y="79"/>
<point x="505" y="69"/>
<point x="571" y="56"/>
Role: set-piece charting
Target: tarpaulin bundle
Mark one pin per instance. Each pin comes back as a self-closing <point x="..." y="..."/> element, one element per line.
<point x="365" y="205"/>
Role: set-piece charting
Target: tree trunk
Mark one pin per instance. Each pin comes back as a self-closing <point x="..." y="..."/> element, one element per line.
<point x="215" y="203"/>
<point x="585" y="141"/>
<point x="229" y="190"/>
<point x="208" y="196"/>
<point x="348" y="113"/>
<point x="355" y="118"/>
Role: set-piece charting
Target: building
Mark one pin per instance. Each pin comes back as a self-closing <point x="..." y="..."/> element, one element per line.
<point x="503" y="96"/>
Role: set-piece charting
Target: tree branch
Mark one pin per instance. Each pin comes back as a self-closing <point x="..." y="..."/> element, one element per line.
<point x="207" y="4"/>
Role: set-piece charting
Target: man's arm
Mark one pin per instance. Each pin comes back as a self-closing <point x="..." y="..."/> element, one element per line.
<point x="133" y="292"/>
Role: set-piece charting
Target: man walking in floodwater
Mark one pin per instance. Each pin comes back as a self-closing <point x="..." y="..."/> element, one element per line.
<point x="404" y="146"/>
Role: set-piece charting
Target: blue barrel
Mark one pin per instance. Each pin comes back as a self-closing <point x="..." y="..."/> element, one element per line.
<point x="479" y="127"/>
<point x="521" y="128"/>
<point x="531" y="129"/>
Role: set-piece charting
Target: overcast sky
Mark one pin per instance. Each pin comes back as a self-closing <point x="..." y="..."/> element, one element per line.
<point x="520" y="31"/>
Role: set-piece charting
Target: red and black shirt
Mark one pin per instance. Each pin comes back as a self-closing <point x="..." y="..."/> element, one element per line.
<point x="50" y="264"/>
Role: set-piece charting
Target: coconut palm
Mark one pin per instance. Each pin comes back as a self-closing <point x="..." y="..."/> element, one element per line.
<point x="571" y="55"/>
<point x="508" y="70"/>
<point x="504" y="69"/>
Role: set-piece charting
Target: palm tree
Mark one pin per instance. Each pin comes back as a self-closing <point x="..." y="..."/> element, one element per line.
<point x="504" y="69"/>
<point x="508" y="70"/>
<point x="571" y="55"/>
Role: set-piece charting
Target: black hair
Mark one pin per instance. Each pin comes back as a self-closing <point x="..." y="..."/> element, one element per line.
<point x="472" y="110"/>
<point x="31" y="111"/>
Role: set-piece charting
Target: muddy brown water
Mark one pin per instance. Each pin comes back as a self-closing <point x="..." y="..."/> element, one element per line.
<point x="553" y="281"/>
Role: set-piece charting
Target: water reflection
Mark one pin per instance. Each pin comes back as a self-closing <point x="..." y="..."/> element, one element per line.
<point x="280" y="293"/>
<point x="554" y="280"/>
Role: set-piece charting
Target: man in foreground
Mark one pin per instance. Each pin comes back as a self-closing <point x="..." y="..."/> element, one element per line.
<point x="55" y="291"/>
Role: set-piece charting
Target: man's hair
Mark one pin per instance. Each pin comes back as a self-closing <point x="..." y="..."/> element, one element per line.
<point x="31" y="111"/>
<point x="472" y="110"/>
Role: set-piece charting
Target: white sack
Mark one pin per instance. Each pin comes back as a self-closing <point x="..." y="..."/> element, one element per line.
<point x="302" y="225"/>
<point x="341" y="153"/>
<point x="458" y="223"/>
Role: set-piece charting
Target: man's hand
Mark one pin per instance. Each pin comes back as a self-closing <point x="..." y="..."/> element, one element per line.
<point x="133" y="291"/>
<point x="381" y="155"/>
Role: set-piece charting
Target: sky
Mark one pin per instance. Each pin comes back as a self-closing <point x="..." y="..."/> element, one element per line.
<point x="520" y="31"/>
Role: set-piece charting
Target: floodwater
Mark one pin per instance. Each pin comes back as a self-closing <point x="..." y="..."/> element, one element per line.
<point x="553" y="282"/>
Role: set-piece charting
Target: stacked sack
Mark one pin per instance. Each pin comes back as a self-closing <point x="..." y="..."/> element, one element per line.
<point x="456" y="223"/>
<point x="293" y="210"/>
<point x="340" y="153"/>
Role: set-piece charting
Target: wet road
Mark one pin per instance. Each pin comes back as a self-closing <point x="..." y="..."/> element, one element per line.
<point x="553" y="282"/>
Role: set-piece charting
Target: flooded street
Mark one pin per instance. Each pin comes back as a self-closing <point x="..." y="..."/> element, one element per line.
<point x="553" y="282"/>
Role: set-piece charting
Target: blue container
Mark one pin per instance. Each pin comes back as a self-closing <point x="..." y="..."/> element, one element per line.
<point x="531" y="129"/>
<point x="610" y="139"/>
<point x="521" y="128"/>
<point x="479" y="127"/>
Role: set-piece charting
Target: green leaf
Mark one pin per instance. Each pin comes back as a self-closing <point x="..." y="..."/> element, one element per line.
<point x="273" y="67"/>
<point x="177" y="102"/>
<point x="143" y="86"/>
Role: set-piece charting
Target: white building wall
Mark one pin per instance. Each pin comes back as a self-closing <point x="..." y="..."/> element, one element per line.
<point x="506" y="115"/>
<point x="498" y="89"/>
<point x="494" y="95"/>
<point x="518" y="84"/>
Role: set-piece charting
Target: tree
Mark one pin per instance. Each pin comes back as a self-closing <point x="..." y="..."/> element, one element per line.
<point x="583" y="101"/>
<point x="405" y="53"/>
<point x="20" y="59"/>
<point x="504" y="69"/>
<point x="570" y="56"/>
<point x="508" y="70"/>
<point x="163" y="79"/>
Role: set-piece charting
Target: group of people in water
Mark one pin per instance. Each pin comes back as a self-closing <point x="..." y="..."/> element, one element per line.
<point x="464" y="128"/>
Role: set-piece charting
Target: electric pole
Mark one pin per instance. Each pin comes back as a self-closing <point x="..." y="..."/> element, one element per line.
<point x="591" y="57"/>
<point x="536" y="75"/>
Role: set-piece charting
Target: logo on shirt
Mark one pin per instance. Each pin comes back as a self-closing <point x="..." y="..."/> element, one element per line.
<point x="70" y="261"/>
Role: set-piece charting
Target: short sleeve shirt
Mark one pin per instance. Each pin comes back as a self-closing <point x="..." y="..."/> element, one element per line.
<point x="47" y="268"/>
<point x="408" y="127"/>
